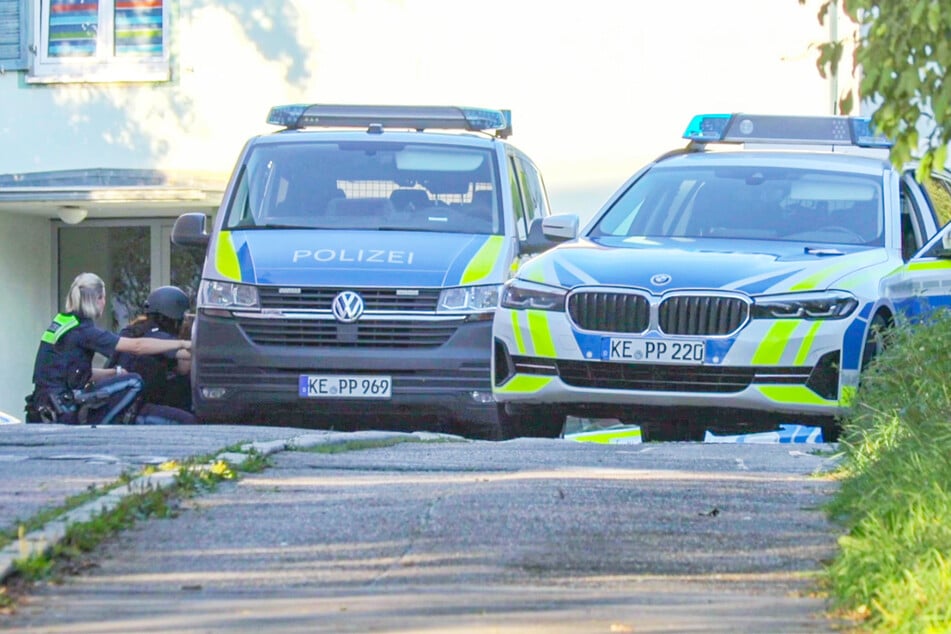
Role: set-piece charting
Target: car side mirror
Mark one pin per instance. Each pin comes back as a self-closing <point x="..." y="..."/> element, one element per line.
<point x="189" y="230"/>
<point x="560" y="227"/>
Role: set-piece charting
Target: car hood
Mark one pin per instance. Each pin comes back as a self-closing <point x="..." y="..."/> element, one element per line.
<point x="665" y="264"/>
<point x="300" y="257"/>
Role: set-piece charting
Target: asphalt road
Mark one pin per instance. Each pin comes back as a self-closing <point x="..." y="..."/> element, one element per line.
<point x="520" y="536"/>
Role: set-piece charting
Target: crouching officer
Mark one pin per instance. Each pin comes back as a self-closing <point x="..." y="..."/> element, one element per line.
<point x="67" y="389"/>
<point x="167" y="388"/>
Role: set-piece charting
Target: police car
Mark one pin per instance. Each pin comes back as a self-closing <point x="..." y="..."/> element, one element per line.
<point x="730" y="286"/>
<point x="354" y="266"/>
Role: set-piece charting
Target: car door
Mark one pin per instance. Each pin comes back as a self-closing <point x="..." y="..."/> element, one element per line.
<point x="923" y="284"/>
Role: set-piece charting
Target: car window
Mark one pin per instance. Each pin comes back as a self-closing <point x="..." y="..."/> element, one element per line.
<point x="518" y="199"/>
<point x="913" y="232"/>
<point x="536" y="204"/>
<point x="366" y="185"/>
<point x="790" y="204"/>
<point x="938" y="190"/>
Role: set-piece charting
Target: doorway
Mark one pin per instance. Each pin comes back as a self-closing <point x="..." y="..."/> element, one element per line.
<point x="131" y="256"/>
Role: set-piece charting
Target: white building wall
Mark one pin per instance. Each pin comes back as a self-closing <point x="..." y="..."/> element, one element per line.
<point x="26" y="304"/>
<point x="596" y="88"/>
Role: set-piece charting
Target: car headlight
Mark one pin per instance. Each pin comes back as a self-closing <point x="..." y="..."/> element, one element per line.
<point x="523" y="295"/>
<point x="814" y="305"/>
<point x="469" y="299"/>
<point x="214" y="294"/>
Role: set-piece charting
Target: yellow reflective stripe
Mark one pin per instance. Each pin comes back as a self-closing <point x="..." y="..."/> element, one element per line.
<point x="848" y="395"/>
<point x="605" y="436"/>
<point x="541" y="333"/>
<point x="812" y="281"/>
<point x="929" y="266"/>
<point x="521" y="384"/>
<point x="770" y="350"/>
<point x="792" y="394"/>
<point x="60" y="326"/>
<point x="517" y="332"/>
<point x="483" y="262"/>
<point x="806" y="344"/>
<point x="226" y="260"/>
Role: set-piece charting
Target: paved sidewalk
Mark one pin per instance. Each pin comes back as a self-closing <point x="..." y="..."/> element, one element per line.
<point x="41" y="466"/>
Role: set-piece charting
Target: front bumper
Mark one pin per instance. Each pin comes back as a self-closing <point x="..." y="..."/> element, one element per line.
<point x="805" y="368"/>
<point x="258" y="382"/>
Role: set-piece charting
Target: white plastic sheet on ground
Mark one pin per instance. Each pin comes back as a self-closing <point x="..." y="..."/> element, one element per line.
<point x="7" y="419"/>
<point x="611" y="435"/>
<point x="786" y="434"/>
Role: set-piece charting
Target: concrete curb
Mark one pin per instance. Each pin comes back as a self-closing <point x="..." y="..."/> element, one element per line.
<point x="42" y="540"/>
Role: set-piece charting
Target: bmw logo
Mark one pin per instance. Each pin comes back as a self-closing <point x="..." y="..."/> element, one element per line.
<point x="347" y="307"/>
<point x="660" y="279"/>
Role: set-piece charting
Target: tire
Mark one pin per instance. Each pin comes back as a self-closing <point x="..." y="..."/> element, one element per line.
<point x="673" y="430"/>
<point x="539" y="421"/>
<point x="875" y="339"/>
<point x="830" y="430"/>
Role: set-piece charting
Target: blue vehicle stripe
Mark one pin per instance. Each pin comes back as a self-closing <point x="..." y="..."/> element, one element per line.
<point x="854" y="340"/>
<point x="759" y="286"/>
<point x="565" y="277"/>
<point x="454" y="274"/>
<point x="245" y="263"/>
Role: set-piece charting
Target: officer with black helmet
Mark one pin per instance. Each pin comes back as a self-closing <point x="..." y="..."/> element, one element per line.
<point x="167" y="389"/>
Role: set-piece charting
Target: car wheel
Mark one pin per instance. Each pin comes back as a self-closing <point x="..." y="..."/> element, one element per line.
<point x="875" y="339"/>
<point x="671" y="431"/>
<point x="532" y="422"/>
<point x="830" y="430"/>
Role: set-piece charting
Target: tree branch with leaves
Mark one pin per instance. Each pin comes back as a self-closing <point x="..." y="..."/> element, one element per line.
<point x="901" y="52"/>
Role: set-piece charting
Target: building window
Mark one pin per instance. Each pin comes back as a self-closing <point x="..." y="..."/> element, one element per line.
<point x="100" y="41"/>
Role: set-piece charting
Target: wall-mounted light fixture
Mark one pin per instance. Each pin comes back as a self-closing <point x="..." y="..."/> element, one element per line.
<point x="72" y="215"/>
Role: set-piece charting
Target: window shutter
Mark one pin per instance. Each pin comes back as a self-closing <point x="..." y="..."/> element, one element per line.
<point x="12" y="35"/>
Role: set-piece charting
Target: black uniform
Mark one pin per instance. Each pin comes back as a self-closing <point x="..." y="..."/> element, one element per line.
<point x="62" y="371"/>
<point x="163" y="385"/>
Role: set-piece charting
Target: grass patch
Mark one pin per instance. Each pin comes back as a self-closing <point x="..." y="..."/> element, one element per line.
<point x="191" y="478"/>
<point x="357" y="445"/>
<point x="13" y="533"/>
<point x="893" y="570"/>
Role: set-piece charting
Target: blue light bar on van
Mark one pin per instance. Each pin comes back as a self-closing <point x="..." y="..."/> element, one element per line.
<point x="297" y="116"/>
<point x="815" y="130"/>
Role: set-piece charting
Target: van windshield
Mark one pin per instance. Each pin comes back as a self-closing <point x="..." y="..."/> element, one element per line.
<point x="371" y="185"/>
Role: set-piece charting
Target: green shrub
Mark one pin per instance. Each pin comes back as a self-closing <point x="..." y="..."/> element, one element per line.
<point x="895" y="496"/>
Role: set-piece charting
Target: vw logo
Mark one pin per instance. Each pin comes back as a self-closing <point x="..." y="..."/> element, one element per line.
<point x="660" y="279"/>
<point x="347" y="307"/>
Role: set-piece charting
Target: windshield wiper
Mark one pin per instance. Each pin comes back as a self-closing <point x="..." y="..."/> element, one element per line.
<point x="823" y="251"/>
<point x="276" y="226"/>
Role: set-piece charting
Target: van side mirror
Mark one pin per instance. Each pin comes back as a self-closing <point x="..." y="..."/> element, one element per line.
<point x="544" y="233"/>
<point x="189" y="230"/>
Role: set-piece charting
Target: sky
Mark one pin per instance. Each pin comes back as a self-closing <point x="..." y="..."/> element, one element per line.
<point x="597" y="88"/>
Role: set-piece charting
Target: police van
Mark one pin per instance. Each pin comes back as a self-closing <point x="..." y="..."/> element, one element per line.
<point x="354" y="265"/>
<point x="733" y="285"/>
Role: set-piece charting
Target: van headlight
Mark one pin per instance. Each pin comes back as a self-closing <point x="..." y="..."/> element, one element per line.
<point x="522" y="295"/>
<point x="469" y="299"/>
<point x="812" y="305"/>
<point x="215" y="294"/>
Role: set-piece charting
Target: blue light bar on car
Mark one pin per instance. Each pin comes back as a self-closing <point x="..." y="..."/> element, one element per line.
<point x="297" y="116"/>
<point x="815" y="130"/>
<point x="865" y="136"/>
<point x="707" y="127"/>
